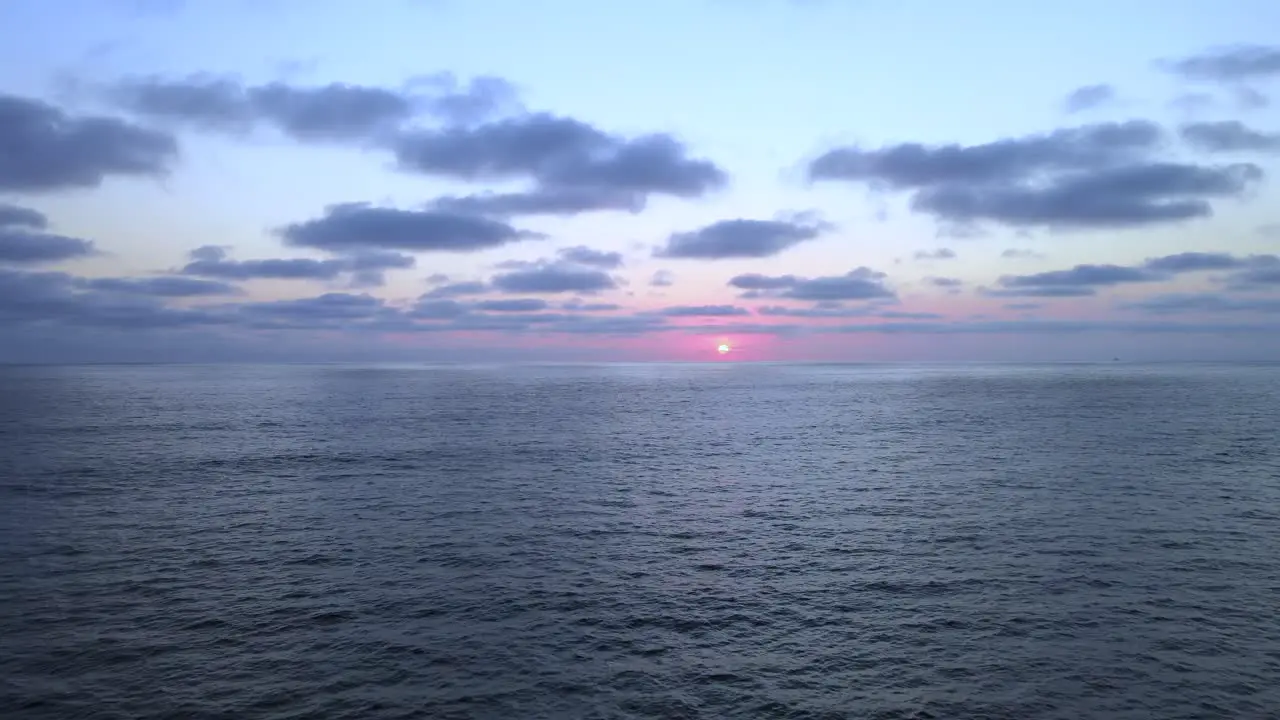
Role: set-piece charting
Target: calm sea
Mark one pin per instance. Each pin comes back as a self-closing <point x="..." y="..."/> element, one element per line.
<point x="647" y="541"/>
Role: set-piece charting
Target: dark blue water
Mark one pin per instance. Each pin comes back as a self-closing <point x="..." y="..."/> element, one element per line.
<point x="1056" y="541"/>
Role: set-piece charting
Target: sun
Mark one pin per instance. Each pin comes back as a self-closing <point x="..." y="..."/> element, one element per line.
<point x="723" y="348"/>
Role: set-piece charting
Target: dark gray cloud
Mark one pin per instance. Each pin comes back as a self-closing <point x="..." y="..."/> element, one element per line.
<point x="162" y="286"/>
<point x="1094" y="176"/>
<point x="59" y="298"/>
<point x="1229" y="136"/>
<point x="1023" y="306"/>
<point x="739" y="239"/>
<point x="20" y="246"/>
<point x="562" y="156"/>
<point x="1261" y="276"/>
<point x="1088" y="97"/>
<point x="12" y="216"/>
<point x="336" y="311"/>
<point x="1052" y="291"/>
<point x="554" y="201"/>
<point x="662" y="278"/>
<point x="429" y="308"/>
<point x="518" y="305"/>
<point x="1113" y="198"/>
<point x="1229" y="64"/>
<point x="46" y="149"/>
<point x="583" y="255"/>
<point x="353" y="227"/>
<point x="336" y="112"/>
<point x="1083" y="276"/>
<point x="756" y="281"/>
<point x="704" y="311"/>
<point x="859" y="284"/>
<point x="912" y="165"/>
<point x="939" y="254"/>
<point x="554" y="278"/>
<point x="1178" y="303"/>
<point x="1250" y="271"/>
<point x="458" y="289"/>
<point x="1248" y="98"/>
<point x="1194" y="261"/>
<point x="367" y="266"/>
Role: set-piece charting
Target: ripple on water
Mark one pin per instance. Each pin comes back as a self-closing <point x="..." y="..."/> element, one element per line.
<point x="760" y="542"/>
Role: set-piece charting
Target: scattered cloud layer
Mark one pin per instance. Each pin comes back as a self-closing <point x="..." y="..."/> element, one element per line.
<point x="1089" y="97"/>
<point x="353" y="227"/>
<point x="859" y="284"/>
<point x="740" y="239"/>
<point x="47" y="149"/>
<point x="1105" y="175"/>
<point x="1229" y="64"/>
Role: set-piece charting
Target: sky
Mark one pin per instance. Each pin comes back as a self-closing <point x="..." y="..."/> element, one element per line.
<point x="439" y="180"/>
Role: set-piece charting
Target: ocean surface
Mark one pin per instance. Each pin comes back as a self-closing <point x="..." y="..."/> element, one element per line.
<point x="640" y="541"/>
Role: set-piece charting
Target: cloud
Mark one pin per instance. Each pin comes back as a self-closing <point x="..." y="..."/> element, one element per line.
<point x="1229" y="64"/>
<point x="556" y="201"/>
<point x="356" y="226"/>
<point x="662" y="278"/>
<point x="1229" y="136"/>
<point x="1093" y="176"/>
<point x="577" y="305"/>
<point x="23" y="247"/>
<point x="1177" y="303"/>
<point x="471" y="287"/>
<point x="366" y="265"/>
<point x="1088" y="97"/>
<point x="944" y="282"/>
<point x="336" y="112"/>
<point x="1269" y="230"/>
<point x="163" y="286"/>
<point x="1249" y="99"/>
<point x="15" y="216"/>
<point x="1115" y="198"/>
<point x="46" y="149"/>
<point x="583" y="255"/>
<point x="739" y="239"/>
<point x="554" y="278"/>
<point x="1023" y="306"/>
<point x="1251" y="271"/>
<point x="1040" y="292"/>
<point x="428" y="308"/>
<point x="912" y="165"/>
<point x="704" y="311"/>
<point x="817" y="311"/>
<point x="1193" y="262"/>
<point x="1081" y="280"/>
<point x="1082" y="276"/>
<point x="1262" y="276"/>
<point x="560" y="155"/>
<point x="59" y="298"/>
<point x="859" y="284"/>
<point x="939" y="254"/>
<point x="521" y="305"/>
<point x="1021" y="254"/>
<point x="330" y="311"/>
<point x="756" y="281"/>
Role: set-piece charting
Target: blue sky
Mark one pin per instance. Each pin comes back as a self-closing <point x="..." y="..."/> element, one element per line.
<point x="900" y="249"/>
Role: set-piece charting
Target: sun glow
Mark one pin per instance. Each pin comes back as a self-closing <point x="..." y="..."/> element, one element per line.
<point x="723" y="348"/>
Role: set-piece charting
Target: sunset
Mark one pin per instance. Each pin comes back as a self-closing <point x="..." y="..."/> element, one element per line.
<point x="723" y="359"/>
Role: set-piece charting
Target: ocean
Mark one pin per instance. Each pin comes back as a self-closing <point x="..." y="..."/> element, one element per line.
<point x="640" y="541"/>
